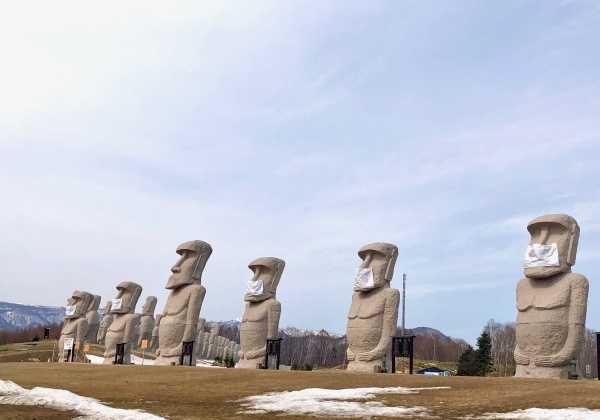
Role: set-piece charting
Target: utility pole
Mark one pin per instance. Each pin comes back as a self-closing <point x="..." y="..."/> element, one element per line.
<point x="403" y="299"/>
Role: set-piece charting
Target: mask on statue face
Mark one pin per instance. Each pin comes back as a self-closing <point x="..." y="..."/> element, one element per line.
<point x="254" y="288"/>
<point x="70" y="310"/>
<point x="539" y="255"/>
<point x="116" y="304"/>
<point x="363" y="279"/>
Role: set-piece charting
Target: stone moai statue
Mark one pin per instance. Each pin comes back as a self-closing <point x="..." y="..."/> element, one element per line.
<point x="551" y="301"/>
<point x="373" y="313"/>
<point x="261" y="317"/>
<point x="136" y="332"/>
<point x="236" y="353"/>
<point x="75" y="325"/>
<point x="200" y="338"/>
<point x="146" y="325"/>
<point x="123" y="325"/>
<point x="107" y="319"/>
<point x="180" y="315"/>
<point x="205" y="345"/>
<point x="93" y="319"/>
<point x="154" y="340"/>
<point x="212" y="341"/>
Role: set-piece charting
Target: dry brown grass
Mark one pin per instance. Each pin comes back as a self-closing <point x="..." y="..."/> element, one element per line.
<point x="179" y="392"/>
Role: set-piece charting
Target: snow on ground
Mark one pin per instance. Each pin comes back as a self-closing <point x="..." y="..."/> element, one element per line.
<point x="339" y="403"/>
<point x="60" y="399"/>
<point x="543" y="414"/>
<point x="97" y="360"/>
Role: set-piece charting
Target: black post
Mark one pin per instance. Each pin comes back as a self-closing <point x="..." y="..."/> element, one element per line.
<point x="402" y="346"/>
<point x="187" y="349"/>
<point x="120" y="354"/>
<point x="46" y="333"/>
<point x="73" y="353"/>
<point x="273" y="348"/>
<point x="598" y="353"/>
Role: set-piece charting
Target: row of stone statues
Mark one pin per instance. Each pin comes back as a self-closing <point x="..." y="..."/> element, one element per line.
<point x="551" y="304"/>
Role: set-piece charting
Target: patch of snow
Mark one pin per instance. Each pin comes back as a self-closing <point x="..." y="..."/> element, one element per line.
<point x="543" y="414"/>
<point x="340" y="403"/>
<point x="60" y="399"/>
<point x="138" y="360"/>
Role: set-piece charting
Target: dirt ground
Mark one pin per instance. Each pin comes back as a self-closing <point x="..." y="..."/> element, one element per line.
<point x="181" y="392"/>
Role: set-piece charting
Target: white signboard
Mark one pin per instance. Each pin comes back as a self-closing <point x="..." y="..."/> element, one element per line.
<point x="69" y="343"/>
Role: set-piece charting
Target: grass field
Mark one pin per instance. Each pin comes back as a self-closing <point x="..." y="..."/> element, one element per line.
<point x="178" y="392"/>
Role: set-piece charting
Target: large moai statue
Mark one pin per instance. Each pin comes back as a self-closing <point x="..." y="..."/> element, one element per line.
<point x="373" y="316"/>
<point x="200" y="338"/>
<point x="75" y="325"/>
<point x="93" y="319"/>
<point x="107" y="319"/>
<point x="551" y="301"/>
<point x="212" y="341"/>
<point x="180" y="316"/>
<point x="206" y="346"/>
<point x="154" y="340"/>
<point x="123" y="325"/>
<point x="261" y="317"/>
<point x="147" y="322"/>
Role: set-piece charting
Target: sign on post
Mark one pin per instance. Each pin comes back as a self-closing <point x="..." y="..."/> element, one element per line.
<point x="77" y="345"/>
<point x="144" y="344"/>
<point x="86" y="348"/>
<point x="68" y="343"/>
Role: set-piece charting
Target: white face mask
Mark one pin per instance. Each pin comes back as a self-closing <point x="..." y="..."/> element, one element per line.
<point x="254" y="288"/>
<point x="363" y="279"/>
<point x="538" y="255"/>
<point x="116" y="304"/>
<point x="70" y="310"/>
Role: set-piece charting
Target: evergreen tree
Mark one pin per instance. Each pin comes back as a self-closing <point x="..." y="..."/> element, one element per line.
<point x="484" y="354"/>
<point x="467" y="363"/>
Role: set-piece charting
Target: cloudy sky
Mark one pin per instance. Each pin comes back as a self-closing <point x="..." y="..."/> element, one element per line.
<point x="300" y="130"/>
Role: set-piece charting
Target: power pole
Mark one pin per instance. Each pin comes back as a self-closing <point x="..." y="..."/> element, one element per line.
<point x="403" y="299"/>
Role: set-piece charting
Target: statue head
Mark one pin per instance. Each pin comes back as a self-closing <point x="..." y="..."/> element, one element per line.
<point x="107" y="308"/>
<point x="377" y="268"/>
<point x="149" y="306"/>
<point x="124" y="303"/>
<point x="95" y="303"/>
<point x="188" y="269"/>
<point x="267" y="273"/>
<point x="78" y="304"/>
<point x="553" y="245"/>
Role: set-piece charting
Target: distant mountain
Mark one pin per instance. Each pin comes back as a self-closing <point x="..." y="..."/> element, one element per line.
<point x="431" y="332"/>
<point x="15" y="315"/>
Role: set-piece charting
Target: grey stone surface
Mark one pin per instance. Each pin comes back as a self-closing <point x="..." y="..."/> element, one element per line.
<point x="93" y="319"/>
<point x="180" y="315"/>
<point x="107" y="319"/>
<point x="124" y="322"/>
<point x="154" y="341"/>
<point x="205" y="345"/>
<point x="261" y="316"/>
<point x="212" y="341"/>
<point x="146" y="325"/>
<point x="75" y="324"/>
<point x="551" y="300"/>
<point x="200" y="338"/>
<point x="373" y="315"/>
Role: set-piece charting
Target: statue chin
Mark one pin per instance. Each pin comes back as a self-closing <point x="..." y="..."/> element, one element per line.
<point x="543" y="272"/>
<point x="259" y="298"/>
<point x="176" y="281"/>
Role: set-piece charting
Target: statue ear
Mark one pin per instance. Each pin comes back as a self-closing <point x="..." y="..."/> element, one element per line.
<point x="276" y="278"/>
<point x="573" y="242"/>
<point x="198" y="267"/>
<point x="389" y="272"/>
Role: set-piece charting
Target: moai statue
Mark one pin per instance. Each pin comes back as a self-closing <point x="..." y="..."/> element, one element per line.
<point x="212" y="341"/>
<point x="200" y="338"/>
<point x="230" y="349"/>
<point x="154" y="341"/>
<point x="147" y="322"/>
<point x="236" y="352"/>
<point x="107" y="319"/>
<point x="75" y="325"/>
<point x="374" y="310"/>
<point x="180" y="316"/>
<point x="261" y="317"/>
<point x="205" y="345"/>
<point x="121" y="329"/>
<point x="93" y="319"/>
<point x="551" y="301"/>
<point x="136" y="332"/>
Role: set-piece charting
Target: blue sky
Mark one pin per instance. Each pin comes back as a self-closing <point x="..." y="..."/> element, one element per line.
<point x="300" y="130"/>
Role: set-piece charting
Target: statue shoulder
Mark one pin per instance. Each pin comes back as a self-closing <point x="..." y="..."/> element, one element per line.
<point x="392" y="293"/>
<point x="274" y="305"/>
<point x="578" y="280"/>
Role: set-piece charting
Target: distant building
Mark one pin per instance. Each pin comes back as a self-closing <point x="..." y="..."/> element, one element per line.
<point x="432" y="370"/>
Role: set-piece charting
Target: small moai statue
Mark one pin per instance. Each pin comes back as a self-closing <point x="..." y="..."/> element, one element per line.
<point x="551" y="300"/>
<point x="205" y="345"/>
<point x="212" y="341"/>
<point x="75" y="325"/>
<point x="107" y="319"/>
<point x="200" y="338"/>
<point x="373" y="316"/>
<point x="230" y="349"/>
<point x="136" y="332"/>
<point x="261" y="316"/>
<point x="146" y="326"/>
<point x="123" y="325"/>
<point x="236" y="353"/>
<point x="154" y="341"/>
<point x="182" y="310"/>
<point x="93" y="319"/>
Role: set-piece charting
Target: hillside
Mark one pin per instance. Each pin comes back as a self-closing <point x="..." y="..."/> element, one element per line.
<point x="14" y="316"/>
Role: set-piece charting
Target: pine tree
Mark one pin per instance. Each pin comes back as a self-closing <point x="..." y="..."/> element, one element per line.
<point x="467" y="363"/>
<point x="484" y="354"/>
